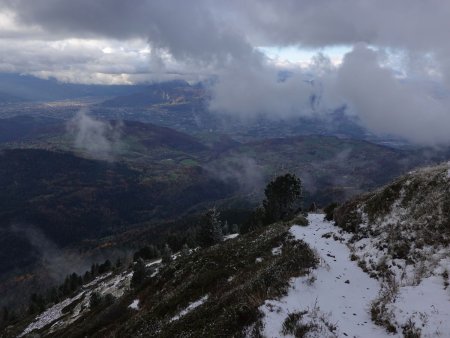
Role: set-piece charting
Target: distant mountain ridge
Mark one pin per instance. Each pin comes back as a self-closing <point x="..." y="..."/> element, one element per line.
<point x="16" y="87"/>
<point x="172" y="92"/>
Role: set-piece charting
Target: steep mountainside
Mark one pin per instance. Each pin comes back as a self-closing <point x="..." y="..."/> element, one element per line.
<point x="204" y="292"/>
<point x="406" y="219"/>
<point x="49" y="200"/>
<point x="17" y="87"/>
<point x="383" y="271"/>
<point x="400" y="234"/>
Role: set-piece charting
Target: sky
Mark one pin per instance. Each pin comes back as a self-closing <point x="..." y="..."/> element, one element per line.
<point x="387" y="61"/>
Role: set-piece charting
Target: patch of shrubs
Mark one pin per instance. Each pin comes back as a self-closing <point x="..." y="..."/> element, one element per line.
<point x="347" y="216"/>
<point x="400" y="250"/>
<point x="380" y="203"/>
<point x="410" y="330"/>
<point x="329" y="211"/>
<point x="293" y="325"/>
<point x="98" y="300"/>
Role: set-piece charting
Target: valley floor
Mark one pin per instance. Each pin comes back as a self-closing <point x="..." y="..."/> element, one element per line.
<point x="335" y="299"/>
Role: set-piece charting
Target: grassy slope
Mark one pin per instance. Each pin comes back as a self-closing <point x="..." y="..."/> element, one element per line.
<point x="230" y="274"/>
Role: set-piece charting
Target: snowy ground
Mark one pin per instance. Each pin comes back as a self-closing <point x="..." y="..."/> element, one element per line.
<point x="338" y="290"/>
<point x="190" y="307"/>
<point x="104" y="284"/>
<point x="427" y="305"/>
<point x="231" y="236"/>
<point x="339" y="293"/>
<point x="134" y="305"/>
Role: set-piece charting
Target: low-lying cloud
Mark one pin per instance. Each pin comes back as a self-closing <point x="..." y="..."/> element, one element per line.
<point x="99" y="139"/>
<point x="381" y="100"/>
<point x="240" y="169"/>
<point x="57" y="262"/>
<point x="387" y="105"/>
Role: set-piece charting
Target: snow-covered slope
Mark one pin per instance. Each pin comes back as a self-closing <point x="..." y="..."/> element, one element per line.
<point x="400" y="235"/>
<point x="338" y="293"/>
<point x="56" y="317"/>
<point x="338" y="298"/>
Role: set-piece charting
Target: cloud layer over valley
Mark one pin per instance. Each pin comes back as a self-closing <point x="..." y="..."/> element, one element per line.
<point x="392" y="72"/>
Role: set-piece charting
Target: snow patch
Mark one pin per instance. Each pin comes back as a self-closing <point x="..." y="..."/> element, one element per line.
<point x="231" y="236"/>
<point x="427" y="305"/>
<point x="104" y="284"/>
<point x="158" y="261"/>
<point x="277" y="250"/>
<point x="50" y="315"/>
<point x="190" y="307"/>
<point x="134" y="305"/>
<point x="258" y="260"/>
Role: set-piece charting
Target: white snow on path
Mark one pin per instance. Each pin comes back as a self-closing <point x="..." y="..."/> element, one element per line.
<point x="341" y="290"/>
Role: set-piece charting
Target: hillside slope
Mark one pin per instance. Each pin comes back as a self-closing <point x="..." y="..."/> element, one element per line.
<point x="281" y="281"/>
<point x="50" y="201"/>
<point x="400" y="234"/>
<point x="208" y="292"/>
<point x="331" y="168"/>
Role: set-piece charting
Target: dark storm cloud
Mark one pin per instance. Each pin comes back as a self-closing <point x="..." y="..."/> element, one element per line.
<point x="178" y="24"/>
<point x="188" y="30"/>
<point x="400" y="23"/>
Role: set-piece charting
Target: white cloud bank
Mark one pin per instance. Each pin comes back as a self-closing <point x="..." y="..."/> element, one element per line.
<point x="390" y="86"/>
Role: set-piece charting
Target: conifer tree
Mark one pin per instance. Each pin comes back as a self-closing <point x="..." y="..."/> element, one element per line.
<point x="211" y="229"/>
<point x="185" y="250"/>
<point x="138" y="273"/>
<point x="283" y="198"/>
<point x="95" y="300"/>
<point x="166" y="255"/>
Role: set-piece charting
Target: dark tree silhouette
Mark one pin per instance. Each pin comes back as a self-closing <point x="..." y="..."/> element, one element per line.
<point x="210" y="229"/>
<point x="138" y="273"/>
<point x="283" y="198"/>
<point x="166" y="255"/>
